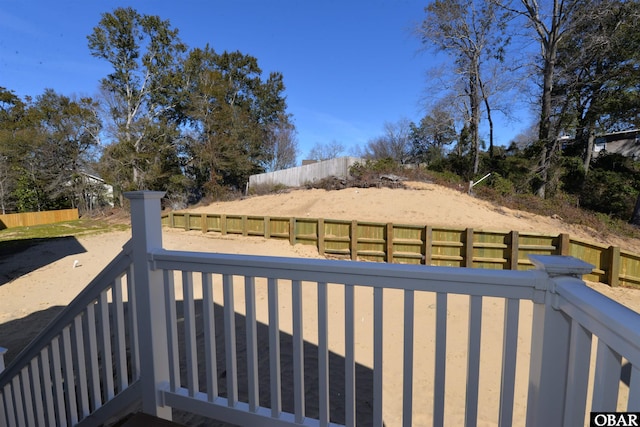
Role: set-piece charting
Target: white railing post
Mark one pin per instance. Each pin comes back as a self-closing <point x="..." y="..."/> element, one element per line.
<point x="549" y="363"/>
<point x="146" y="235"/>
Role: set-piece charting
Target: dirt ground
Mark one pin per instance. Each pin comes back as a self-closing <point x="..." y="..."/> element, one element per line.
<point x="36" y="283"/>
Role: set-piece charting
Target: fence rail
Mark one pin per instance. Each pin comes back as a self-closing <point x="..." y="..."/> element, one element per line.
<point x="421" y="244"/>
<point x="28" y="219"/>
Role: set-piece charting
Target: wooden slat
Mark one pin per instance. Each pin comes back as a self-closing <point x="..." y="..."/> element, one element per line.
<point x="323" y="355"/>
<point x="57" y="381"/>
<point x="578" y="375"/>
<point x="133" y="324"/>
<point x="119" y="336"/>
<point x="27" y="395"/>
<point x="190" y="343"/>
<point x="349" y="357"/>
<point x="105" y="343"/>
<point x="93" y="364"/>
<point x="37" y="391"/>
<point x="69" y="383"/>
<point x="17" y="396"/>
<point x="252" y="343"/>
<point x="211" y="358"/>
<point x="440" y="359"/>
<point x="230" y="340"/>
<point x="172" y="329"/>
<point x="47" y="386"/>
<point x="81" y="367"/>
<point x="407" y="368"/>
<point x="509" y="353"/>
<point x="473" y="360"/>
<point x="298" y="351"/>
<point x="274" y="348"/>
<point x="3" y="415"/>
<point x="8" y="401"/>
<point x="607" y="378"/>
<point x="378" y="343"/>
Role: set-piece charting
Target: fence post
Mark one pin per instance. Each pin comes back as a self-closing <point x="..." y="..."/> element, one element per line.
<point x="514" y="250"/>
<point x="321" y="236"/>
<point x="428" y="244"/>
<point x="389" y="242"/>
<point x="267" y="227"/>
<point x="613" y="269"/>
<point x="550" y="341"/>
<point x="468" y="248"/>
<point x="146" y="232"/>
<point x="187" y="221"/>
<point x="204" y="223"/>
<point x="292" y="231"/>
<point x="564" y="244"/>
<point x="353" y="240"/>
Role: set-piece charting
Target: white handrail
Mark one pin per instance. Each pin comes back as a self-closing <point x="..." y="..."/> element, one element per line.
<point x="453" y="280"/>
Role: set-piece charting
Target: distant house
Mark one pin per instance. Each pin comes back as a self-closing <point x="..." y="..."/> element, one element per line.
<point x="96" y="191"/>
<point x="626" y="143"/>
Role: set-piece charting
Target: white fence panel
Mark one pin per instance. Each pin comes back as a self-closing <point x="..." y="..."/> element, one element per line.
<point x="298" y="176"/>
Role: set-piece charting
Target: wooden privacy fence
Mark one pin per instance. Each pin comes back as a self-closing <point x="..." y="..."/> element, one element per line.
<point x="28" y="219"/>
<point x="421" y="244"/>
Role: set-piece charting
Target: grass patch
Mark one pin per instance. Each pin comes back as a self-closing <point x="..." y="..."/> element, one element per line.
<point x="78" y="227"/>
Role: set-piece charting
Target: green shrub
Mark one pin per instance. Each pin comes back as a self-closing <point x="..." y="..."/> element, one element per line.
<point x="502" y="186"/>
<point x="262" y="189"/>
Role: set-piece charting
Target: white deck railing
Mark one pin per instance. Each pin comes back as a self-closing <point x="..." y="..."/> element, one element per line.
<point x="81" y="361"/>
<point x="274" y="341"/>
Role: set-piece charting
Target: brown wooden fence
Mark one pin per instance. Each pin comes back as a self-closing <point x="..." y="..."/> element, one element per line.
<point x="417" y="244"/>
<point x="28" y="219"/>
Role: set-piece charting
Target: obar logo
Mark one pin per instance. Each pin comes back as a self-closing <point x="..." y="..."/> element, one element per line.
<point x="610" y="419"/>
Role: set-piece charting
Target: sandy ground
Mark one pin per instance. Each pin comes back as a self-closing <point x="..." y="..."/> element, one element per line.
<point x="36" y="283"/>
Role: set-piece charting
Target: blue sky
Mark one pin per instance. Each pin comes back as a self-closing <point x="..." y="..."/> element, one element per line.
<point x="348" y="66"/>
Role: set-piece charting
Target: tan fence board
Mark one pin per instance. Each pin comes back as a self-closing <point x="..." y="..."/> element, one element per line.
<point x="418" y="244"/>
<point x="29" y="219"/>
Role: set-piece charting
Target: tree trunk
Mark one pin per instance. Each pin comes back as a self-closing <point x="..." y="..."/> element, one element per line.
<point x="589" y="151"/>
<point x="544" y="134"/>
<point x="474" y="104"/>
<point x="490" y="120"/>
<point x="635" y="218"/>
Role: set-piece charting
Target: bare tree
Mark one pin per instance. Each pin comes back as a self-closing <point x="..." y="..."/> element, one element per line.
<point x="282" y="145"/>
<point x="327" y="151"/>
<point x="469" y="32"/>
<point x="436" y="130"/>
<point x="549" y="23"/>
<point x="394" y="144"/>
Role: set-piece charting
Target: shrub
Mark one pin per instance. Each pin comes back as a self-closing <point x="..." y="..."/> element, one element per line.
<point x="262" y="189"/>
<point x="502" y="186"/>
